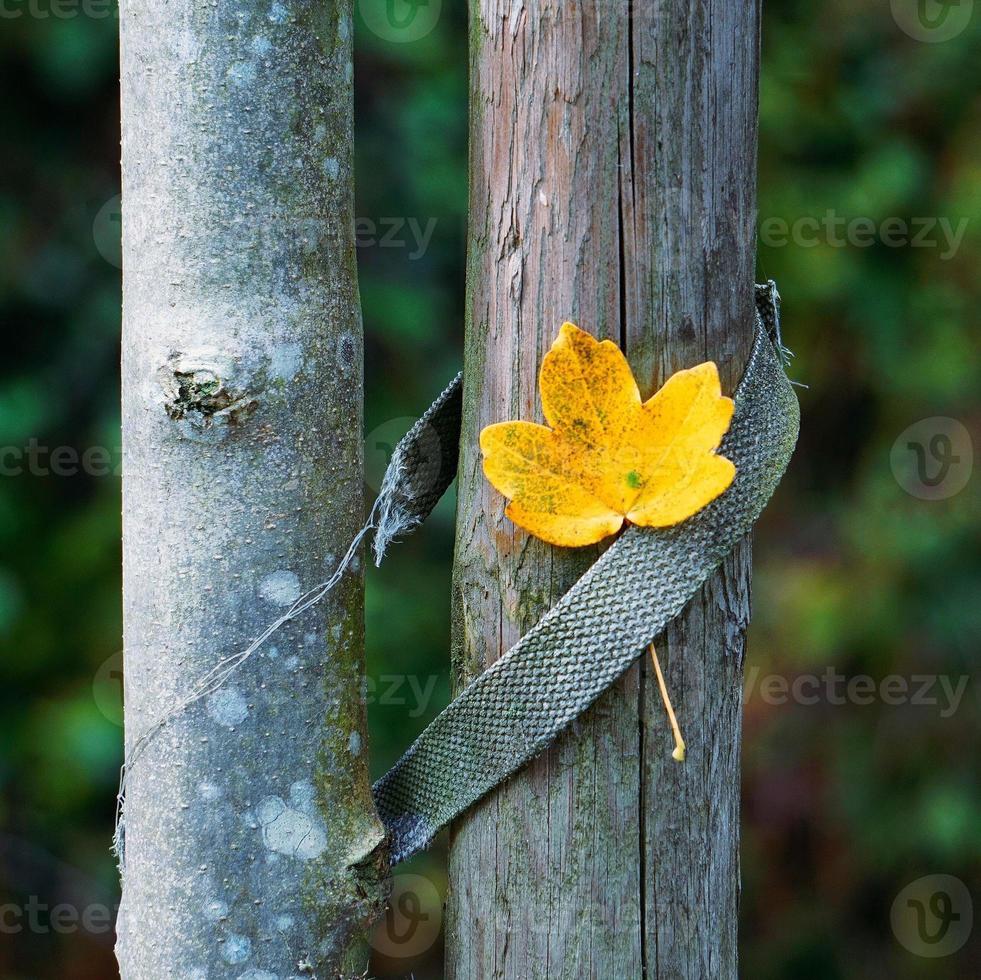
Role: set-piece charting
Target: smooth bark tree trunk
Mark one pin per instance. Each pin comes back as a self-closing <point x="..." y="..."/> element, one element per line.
<point x="613" y="171"/>
<point x="251" y="841"/>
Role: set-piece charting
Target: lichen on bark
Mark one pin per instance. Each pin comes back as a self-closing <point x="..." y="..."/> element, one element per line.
<point x="252" y="845"/>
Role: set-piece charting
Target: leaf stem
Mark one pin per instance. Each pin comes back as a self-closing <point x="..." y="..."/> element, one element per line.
<point x="679" y="743"/>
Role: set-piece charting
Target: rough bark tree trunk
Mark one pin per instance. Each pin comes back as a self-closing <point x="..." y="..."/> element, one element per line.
<point x="613" y="170"/>
<point x="251" y="841"/>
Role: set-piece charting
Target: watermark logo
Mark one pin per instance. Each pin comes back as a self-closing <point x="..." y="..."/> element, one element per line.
<point x="412" y="920"/>
<point x="310" y="234"/>
<point x="107" y="231"/>
<point x="427" y="456"/>
<point x="394" y="232"/>
<point x="107" y="688"/>
<point x="35" y="459"/>
<point x="941" y="691"/>
<point x="933" y="458"/>
<point x="400" y="20"/>
<point x="58" y="9"/>
<point x="416" y="692"/>
<point x="65" y="919"/>
<point x="834" y="230"/>
<point x="932" y="20"/>
<point x="933" y="916"/>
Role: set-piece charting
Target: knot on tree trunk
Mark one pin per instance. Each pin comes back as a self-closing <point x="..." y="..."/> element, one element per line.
<point x="202" y="392"/>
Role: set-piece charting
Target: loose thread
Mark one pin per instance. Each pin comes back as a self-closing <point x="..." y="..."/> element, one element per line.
<point x="225" y="668"/>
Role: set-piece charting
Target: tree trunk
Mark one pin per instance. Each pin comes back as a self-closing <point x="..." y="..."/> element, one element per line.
<point x="251" y="841"/>
<point x="613" y="169"/>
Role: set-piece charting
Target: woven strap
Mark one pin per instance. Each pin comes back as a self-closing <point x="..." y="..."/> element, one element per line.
<point x="517" y="707"/>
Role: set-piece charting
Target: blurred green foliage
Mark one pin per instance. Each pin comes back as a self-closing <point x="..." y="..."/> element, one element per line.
<point x="844" y="803"/>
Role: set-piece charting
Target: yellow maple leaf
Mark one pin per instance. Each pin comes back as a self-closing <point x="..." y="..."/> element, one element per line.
<point x="605" y="456"/>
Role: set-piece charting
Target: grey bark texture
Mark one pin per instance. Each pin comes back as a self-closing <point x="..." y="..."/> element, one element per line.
<point x="613" y="173"/>
<point x="252" y="848"/>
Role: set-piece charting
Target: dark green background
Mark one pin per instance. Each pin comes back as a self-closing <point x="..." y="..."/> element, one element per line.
<point x="844" y="804"/>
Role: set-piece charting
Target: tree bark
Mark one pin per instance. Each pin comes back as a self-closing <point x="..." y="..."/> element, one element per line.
<point x="613" y="171"/>
<point x="251" y="842"/>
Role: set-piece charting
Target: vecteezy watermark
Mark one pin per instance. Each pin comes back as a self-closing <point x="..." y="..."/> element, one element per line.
<point x="933" y="916"/>
<point x="107" y="231"/>
<point x="380" y="443"/>
<point x="412" y="920"/>
<point x="40" y="918"/>
<point x="35" y="459"/>
<point x="309" y="233"/>
<point x="932" y="20"/>
<point x="933" y="459"/>
<point x="413" y="691"/>
<point x="940" y="691"/>
<point x="58" y="9"/>
<point x="400" y="20"/>
<point x="107" y="688"/>
<point x="395" y="233"/>
<point x="838" y="231"/>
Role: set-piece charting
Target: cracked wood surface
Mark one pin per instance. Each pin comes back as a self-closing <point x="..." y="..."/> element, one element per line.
<point x="613" y="171"/>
